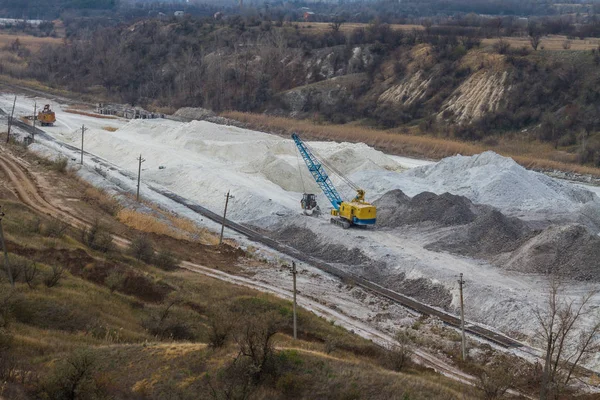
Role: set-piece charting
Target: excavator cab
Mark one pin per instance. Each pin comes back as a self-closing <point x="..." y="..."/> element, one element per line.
<point x="46" y="116"/>
<point x="309" y="204"/>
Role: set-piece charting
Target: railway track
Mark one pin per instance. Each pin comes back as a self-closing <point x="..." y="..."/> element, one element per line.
<point x="447" y="318"/>
<point x="27" y="190"/>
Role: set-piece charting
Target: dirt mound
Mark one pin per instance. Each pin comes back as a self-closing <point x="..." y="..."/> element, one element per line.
<point x="396" y="209"/>
<point x="571" y="251"/>
<point x="194" y="113"/>
<point x="306" y="241"/>
<point x="490" y="234"/>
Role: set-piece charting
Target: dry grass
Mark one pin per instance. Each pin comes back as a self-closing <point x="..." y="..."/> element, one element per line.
<point x="102" y="200"/>
<point x="320" y="27"/>
<point x="110" y="128"/>
<point x="176" y="227"/>
<point x="530" y="154"/>
<point x="550" y="42"/>
<point x="88" y="114"/>
<point x="29" y="42"/>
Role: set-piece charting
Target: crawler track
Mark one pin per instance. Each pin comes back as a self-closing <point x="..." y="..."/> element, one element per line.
<point x="399" y="298"/>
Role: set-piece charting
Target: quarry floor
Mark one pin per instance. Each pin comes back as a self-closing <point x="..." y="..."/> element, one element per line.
<point x="202" y="161"/>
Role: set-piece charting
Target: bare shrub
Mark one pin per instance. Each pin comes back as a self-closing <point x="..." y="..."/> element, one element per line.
<point x="502" y="46"/>
<point x="97" y="237"/>
<point x="220" y="323"/>
<point x="166" y="260"/>
<point x="142" y="248"/>
<point x="534" y="40"/>
<point x="331" y="344"/>
<point x="399" y="356"/>
<point x="114" y="281"/>
<point x="102" y="200"/>
<point x="55" y="228"/>
<point x="30" y="272"/>
<point x="165" y="324"/>
<point x="495" y="380"/>
<point x="74" y="378"/>
<point x="53" y="278"/>
<point x="7" y="359"/>
<point x="60" y="165"/>
<point x="255" y="342"/>
<point x="234" y="381"/>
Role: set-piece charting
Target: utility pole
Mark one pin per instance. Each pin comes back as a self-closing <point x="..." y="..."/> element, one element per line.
<point x="83" y="129"/>
<point x="6" y="265"/>
<point x="141" y="160"/>
<point x="224" y="219"/>
<point x="462" y="318"/>
<point x="34" y="119"/>
<point x="10" y="120"/>
<point x="294" y="272"/>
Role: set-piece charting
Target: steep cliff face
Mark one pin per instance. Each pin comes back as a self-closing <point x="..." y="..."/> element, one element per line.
<point x="409" y="90"/>
<point x="330" y="94"/>
<point x="409" y="84"/>
<point x="482" y="92"/>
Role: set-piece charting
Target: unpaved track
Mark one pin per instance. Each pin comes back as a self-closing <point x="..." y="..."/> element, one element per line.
<point x="29" y="192"/>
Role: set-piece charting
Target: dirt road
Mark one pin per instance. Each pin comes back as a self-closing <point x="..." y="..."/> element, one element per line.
<point x="29" y="192"/>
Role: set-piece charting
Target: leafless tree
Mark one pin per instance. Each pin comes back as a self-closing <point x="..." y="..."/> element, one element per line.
<point x="399" y="355"/>
<point x="336" y="24"/>
<point x="30" y="271"/>
<point x="220" y="324"/>
<point x="54" y="276"/>
<point x="255" y="342"/>
<point x="567" y="338"/>
<point x="496" y="379"/>
<point x="535" y="40"/>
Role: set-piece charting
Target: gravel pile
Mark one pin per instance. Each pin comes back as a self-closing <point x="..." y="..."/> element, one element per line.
<point x="569" y="250"/>
<point x="490" y="234"/>
<point x="194" y="113"/>
<point x="395" y="209"/>
<point x="306" y="241"/>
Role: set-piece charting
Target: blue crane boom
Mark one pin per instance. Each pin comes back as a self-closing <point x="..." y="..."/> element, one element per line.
<point x="318" y="173"/>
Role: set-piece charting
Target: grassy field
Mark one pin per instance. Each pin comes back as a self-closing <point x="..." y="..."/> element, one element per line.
<point x="530" y="154"/>
<point x="550" y="43"/>
<point x="320" y="27"/>
<point x="29" y="42"/>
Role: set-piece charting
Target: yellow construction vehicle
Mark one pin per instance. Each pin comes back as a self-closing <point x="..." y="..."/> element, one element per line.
<point x="46" y="116"/>
<point x="347" y="213"/>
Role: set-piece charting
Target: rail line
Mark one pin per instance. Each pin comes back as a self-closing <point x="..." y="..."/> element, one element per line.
<point x="406" y="301"/>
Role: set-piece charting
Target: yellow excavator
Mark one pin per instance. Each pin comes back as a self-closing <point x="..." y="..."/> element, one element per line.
<point x="46" y="116"/>
<point x="345" y="213"/>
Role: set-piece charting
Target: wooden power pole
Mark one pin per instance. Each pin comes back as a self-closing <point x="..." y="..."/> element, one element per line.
<point x="10" y="119"/>
<point x="294" y="273"/>
<point x="462" y="318"/>
<point x="224" y="219"/>
<point x="34" y="119"/>
<point x="141" y="160"/>
<point x="83" y="129"/>
<point x="6" y="265"/>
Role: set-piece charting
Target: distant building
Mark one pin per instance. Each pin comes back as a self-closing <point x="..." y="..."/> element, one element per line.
<point x="309" y="16"/>
<point x="218" y="16"/>
<point x="179" y="13"/>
